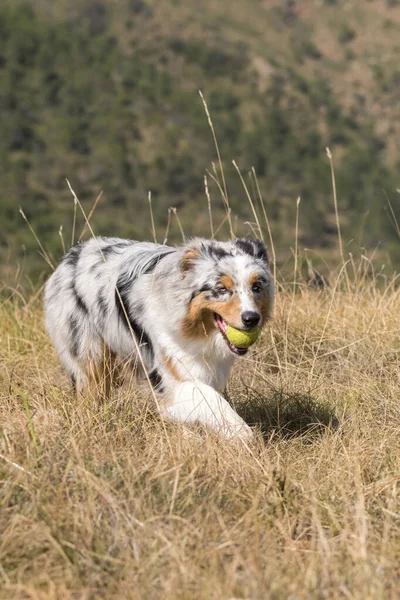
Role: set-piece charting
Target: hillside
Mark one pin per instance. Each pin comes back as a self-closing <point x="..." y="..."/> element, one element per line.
<point x="106" y="501"/>
<point x="106" y="94"/>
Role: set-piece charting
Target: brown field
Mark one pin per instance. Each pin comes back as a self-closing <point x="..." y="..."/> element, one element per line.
<point x="107" y="501"/>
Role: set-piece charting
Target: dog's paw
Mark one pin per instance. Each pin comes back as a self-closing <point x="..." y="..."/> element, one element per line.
<point x="238" y="431"/>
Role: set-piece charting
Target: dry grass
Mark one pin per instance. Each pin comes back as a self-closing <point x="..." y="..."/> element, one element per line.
<point x="107" y="502"/>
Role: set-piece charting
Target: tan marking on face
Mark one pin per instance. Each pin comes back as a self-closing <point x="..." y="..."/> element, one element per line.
<point x="199" y="320"/>
<point x="227" y="282"/>
<point x="169" y="363"/>
<point x="189" y="258"/>
<point x="230" y="311"/>
<point x="254" y="277"/>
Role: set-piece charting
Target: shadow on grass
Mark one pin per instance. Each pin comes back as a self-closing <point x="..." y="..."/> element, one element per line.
<point x="287" y="414"/>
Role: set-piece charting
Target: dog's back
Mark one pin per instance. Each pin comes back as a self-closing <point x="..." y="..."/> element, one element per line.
<point x="87" y="305"/>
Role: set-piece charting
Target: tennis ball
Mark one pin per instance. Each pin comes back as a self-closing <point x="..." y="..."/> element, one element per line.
<point x="242" y="339"/>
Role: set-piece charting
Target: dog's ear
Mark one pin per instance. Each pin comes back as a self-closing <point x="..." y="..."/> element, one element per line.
<point x="189" y="258"/>
<point x="254" y="248"/>
<point x="261" y="251"/>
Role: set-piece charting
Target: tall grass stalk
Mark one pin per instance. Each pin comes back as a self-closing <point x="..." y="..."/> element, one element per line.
<point x="209" y="206"/>
<point x="271" y="240"/>
<point x="223" y="189"/>
<point x="178" y="221"/>
<point x="260" y="233"/>
<point x="73" y="224"/>
<point x="153" y="229"/>
<point x="44" y="253"/>
<point x="90" y="215"/>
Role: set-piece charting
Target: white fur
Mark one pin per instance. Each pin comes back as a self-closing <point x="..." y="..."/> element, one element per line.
<point x="200" y="403"/>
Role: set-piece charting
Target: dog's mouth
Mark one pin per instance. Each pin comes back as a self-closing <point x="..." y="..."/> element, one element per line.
<point x="221" y="326"/>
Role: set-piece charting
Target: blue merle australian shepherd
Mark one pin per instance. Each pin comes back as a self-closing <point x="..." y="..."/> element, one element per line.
<point x="121" y="300"/>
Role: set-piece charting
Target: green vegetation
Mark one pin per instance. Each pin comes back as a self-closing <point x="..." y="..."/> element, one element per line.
<point x="106" y="94"/>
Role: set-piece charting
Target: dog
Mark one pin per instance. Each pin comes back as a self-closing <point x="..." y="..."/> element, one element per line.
<point x="164" y="311"/>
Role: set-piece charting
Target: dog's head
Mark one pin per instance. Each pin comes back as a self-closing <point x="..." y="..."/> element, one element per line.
<point x="230" y="284"/>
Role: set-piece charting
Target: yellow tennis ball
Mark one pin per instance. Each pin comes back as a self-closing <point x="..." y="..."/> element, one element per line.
<point x="242" y="339"/>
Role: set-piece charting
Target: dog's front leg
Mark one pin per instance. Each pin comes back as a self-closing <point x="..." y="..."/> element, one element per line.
<point x="191" y="402"/>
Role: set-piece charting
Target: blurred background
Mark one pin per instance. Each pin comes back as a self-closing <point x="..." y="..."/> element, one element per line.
<point x="105" y="93"/>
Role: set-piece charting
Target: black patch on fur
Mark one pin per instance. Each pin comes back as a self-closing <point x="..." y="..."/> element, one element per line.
<point x="156" y="380"/>
<point x="218" y="293"/>
<point x="81" y="305"/>
<point x="73" y="323"/>
<point x="79" y="301"/>
<point x="72" y="257"/>
<point x="123" y="288"/>
<point x="207" y="287"/>
<point x="216" y="251"/>
<point x="113" y="248"/>
<point x="73" y="382"/>
<point x="254" y="248"/>
<point x="107" y="250"/>
<point x="154" y="262"/>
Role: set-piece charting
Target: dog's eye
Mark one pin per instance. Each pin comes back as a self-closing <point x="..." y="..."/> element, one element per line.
<point x="256" y="288"/>
<point x="221" y="289"/>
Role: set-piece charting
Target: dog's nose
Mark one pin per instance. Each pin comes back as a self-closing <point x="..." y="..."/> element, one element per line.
<point x="250" y="318"/>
